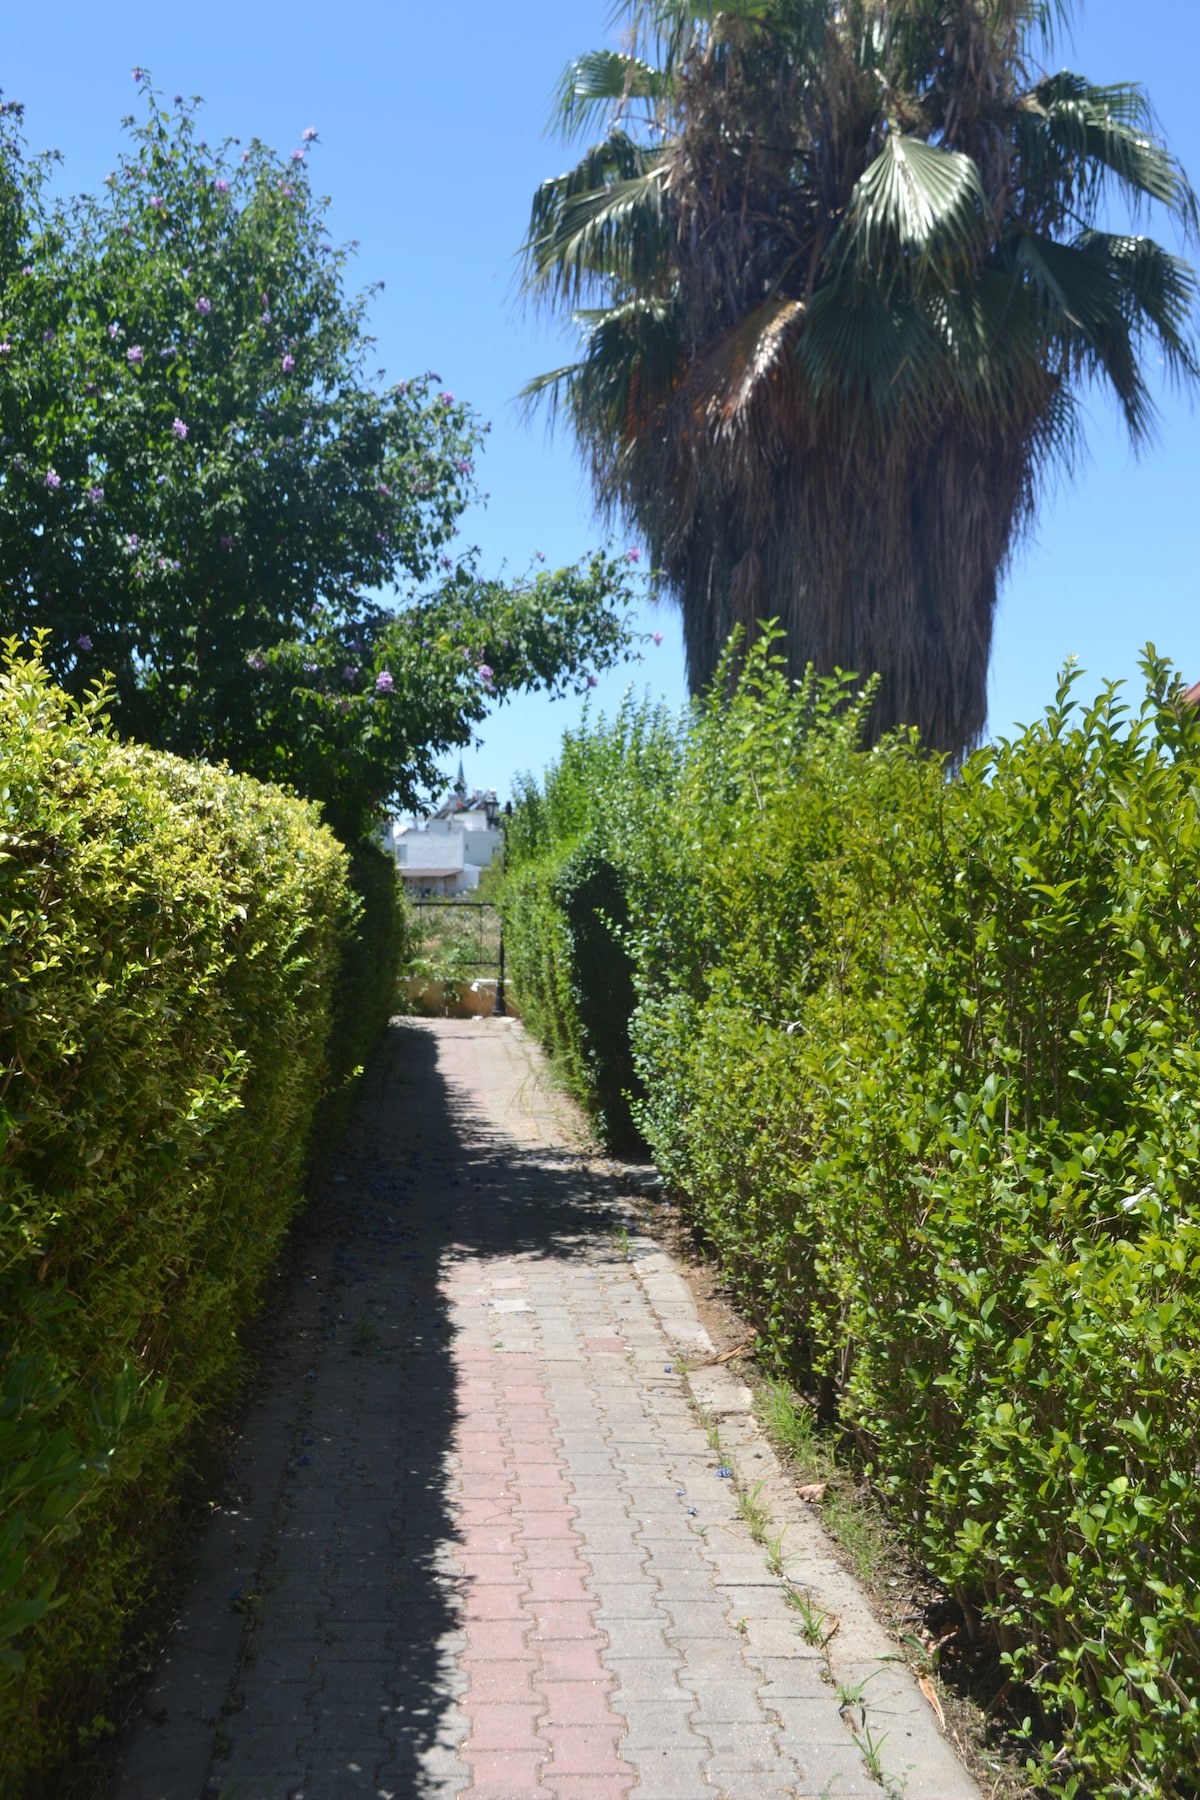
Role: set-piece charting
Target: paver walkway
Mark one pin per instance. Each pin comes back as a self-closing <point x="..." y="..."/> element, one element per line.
<point x="477" y="1539"/>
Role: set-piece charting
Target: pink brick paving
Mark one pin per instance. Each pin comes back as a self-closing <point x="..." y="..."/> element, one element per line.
<point x="475" y="1542"/>
<point x="534" y="1726"/>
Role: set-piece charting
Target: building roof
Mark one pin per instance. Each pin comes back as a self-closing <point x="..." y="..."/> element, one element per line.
<point x="417" y="872"/>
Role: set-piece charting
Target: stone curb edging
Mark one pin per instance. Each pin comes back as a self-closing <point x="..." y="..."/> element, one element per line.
<point x="890" y="1713"/>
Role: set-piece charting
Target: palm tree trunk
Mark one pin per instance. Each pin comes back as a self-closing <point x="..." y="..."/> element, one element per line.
<point x="880" y="564"/>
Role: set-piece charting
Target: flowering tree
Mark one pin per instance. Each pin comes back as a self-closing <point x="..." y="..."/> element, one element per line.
<point x="201" y="486"/>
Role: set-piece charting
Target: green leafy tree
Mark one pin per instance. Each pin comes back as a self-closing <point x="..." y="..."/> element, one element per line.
<point x="842" y="273"/>
<point x="203" y="489"/>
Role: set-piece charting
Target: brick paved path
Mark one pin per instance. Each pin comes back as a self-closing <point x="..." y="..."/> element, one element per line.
<point x="477" y="1539"/>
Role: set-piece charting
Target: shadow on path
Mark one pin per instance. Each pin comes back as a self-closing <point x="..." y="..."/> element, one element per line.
<point x="318" y="1651"/>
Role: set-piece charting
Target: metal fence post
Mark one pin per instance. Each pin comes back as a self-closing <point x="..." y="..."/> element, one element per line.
<point x="498" y="1006"/>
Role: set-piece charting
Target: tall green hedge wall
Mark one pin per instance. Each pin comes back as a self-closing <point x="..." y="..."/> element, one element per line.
<point x="186" y="975"/>
<point x="571" y="848"/>
<point x="921" y="1050"/>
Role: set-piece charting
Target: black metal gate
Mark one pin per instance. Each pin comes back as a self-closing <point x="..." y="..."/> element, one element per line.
<point x="461" y="938"/>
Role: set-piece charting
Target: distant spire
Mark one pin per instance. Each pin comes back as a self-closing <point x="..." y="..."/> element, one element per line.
<point x="460" y="786"/>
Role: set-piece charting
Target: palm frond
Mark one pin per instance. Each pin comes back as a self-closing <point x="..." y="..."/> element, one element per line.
<point x="629" y="363"/>
<point x="736" y="367"/>
<point x="1158" y="290"/>
<point x="916" y="210"/>
<point x="1085" y="311"/>
<point x="601" y="222"/>
<point x="871" y="354"/>
<point x="546" y="390"/>
<point x="593" y="86"/>
<point x="1049" y="17"/>
<point x="1102" y="132"/>
<point x="991" y="330"/>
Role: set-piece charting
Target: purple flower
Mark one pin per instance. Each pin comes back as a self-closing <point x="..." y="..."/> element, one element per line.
<point x="53" y="480"/>
<point x="310" y="668"/>
<point x="297" y="156"/>
<point x="27" y="270"/>
<point x="288" y="364"/>
<point x="134" y="354"/>
<point x="383" y="682"/>
<point x="47" y="337"/>
<point x="385" y="490"/>
<point x="180" y="429"/>
<point x="227" y="542"/>
<point x="447" y="562"/>
<point x="633" y="556"/>
<point x="464" y="467"/>
<point x="203" y="306"/>
<point x="132" y="540"/>
<point x="447" y="399"/>
<point x="113" y="329"/>
<point x="156" y="199"/>
<point x="256" y="661"/>
<point x="592" y="682"/>
<point x="138" y="74"/>
<point x="485" y="675"/>
<point x="96" y="494"/>
<point x="221" y="186"/>
<point x="309" y="133"/>
<point x="541" y="555"/>
<point x="84" y="642"/>
<point x="658" y="637"/>
<point x="343" y="705"/>
<point x="5" y="347"/>
<point x="349" y="672"/>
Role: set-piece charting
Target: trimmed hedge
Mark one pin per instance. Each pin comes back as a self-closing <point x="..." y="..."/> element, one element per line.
<point x="173" y="943"/>
<point x="923" y="1055"/>
<point x="565" y="910"/>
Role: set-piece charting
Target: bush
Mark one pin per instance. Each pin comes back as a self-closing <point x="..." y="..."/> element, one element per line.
<point x="171" y="944"/>
<point x="922" y="1053"/>
<point x="375" y="943"/>
<point x="570" y="851"/>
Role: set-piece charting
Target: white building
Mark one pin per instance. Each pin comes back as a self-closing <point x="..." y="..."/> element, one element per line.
<point x="447" y="854"/>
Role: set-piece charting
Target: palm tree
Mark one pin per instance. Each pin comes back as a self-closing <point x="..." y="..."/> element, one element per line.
<point x="842" y="275"/>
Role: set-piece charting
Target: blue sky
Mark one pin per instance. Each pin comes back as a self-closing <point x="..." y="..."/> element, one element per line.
<point x="431" y="143"/>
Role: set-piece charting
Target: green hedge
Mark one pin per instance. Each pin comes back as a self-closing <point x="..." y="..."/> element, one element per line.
<point x="375" y="943"/>
<point x="173" y="943"/>
<point x="922" y="1051"/>
<point x="565" y="910"/>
